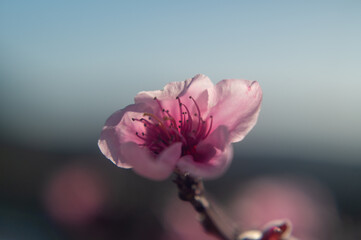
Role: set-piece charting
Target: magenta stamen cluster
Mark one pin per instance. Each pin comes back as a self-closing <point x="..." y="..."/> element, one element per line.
<point x="162" y="131"/>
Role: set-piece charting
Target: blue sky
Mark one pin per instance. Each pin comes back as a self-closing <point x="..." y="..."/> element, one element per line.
<point x="66" y="66"/>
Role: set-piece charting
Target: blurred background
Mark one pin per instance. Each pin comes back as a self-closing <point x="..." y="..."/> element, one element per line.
<point x="66" y="66"/>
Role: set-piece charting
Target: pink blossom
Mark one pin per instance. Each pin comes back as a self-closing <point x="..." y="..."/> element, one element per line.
<point x="188" y="127"/>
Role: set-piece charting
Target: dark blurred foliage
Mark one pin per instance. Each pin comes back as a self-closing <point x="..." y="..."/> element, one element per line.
<point x="129" y="206"/>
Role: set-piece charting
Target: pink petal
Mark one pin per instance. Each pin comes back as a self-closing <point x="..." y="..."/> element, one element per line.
<point x="109" y="145"/>
<point x="145" y="165"/>
<point x="219" y="138"/>
<point x="192" y="87"/>
<point x="211" y="169"/>
<point x="196" y="85"/>
<point x="119" y="128"/>
<point x="207" y="149"/>
<point x="197" y="89"/>
<point x="236" y="104"/>
<point x="204" y="153"/>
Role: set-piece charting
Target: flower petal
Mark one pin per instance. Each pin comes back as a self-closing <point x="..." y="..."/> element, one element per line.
<point x="119" y="128"/>
<point x="190" y="87"/>
<point x="109" y="145"/>
<point x="211" y="169"/>
<point x="195" y="87"/>
<point x="145" y="165"/>
<point x="219" y="138"/>
<point x="204" y="153"/>
<point x="236" y="103"/>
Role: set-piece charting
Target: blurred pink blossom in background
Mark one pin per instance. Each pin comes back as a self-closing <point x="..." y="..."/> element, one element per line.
<point x="306" y="203"/>
<point x="75" y="195"/>
<point x="180" y="222"/>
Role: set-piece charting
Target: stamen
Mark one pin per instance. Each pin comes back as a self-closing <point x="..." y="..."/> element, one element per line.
<point x="159" y="104"/>
<point x="143" y="138"/>
<point x="171" y="119"/>
<point x="162" y="129"/>
<point x="145" y="121"/>
<point x="153" y="116"/>
<point x="199" y="113"/>
<point x="180" y="112"/>
<point x="161" y="124"/>
<point x="188" y="126"/>
<point x="210" y="127"/>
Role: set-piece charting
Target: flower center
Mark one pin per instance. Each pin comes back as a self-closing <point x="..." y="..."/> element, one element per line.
<point x="166" y="129"/>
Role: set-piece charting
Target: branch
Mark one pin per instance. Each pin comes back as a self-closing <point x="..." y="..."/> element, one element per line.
<point x="192" y="190"/>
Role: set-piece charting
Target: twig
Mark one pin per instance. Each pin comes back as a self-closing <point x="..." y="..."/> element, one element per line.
<point x="192" y="190"/>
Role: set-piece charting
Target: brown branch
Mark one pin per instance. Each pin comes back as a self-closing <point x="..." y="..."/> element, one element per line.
<point x="192" y="190"/>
